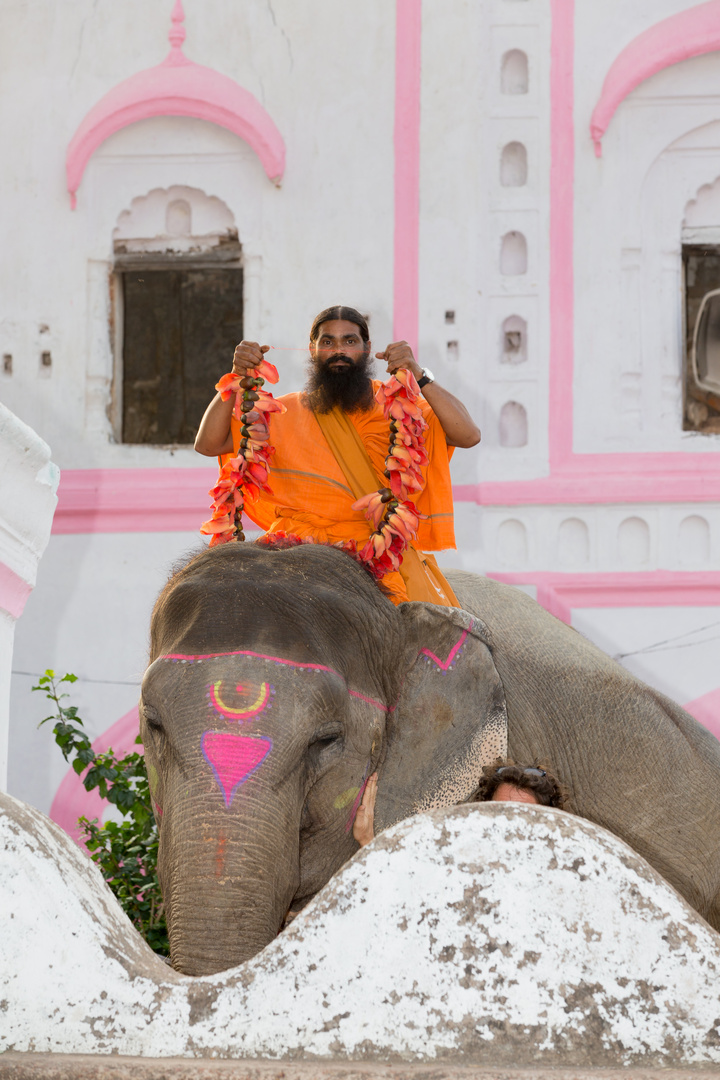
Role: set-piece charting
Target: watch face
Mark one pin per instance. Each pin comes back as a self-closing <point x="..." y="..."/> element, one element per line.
<point x="427" y="374"/>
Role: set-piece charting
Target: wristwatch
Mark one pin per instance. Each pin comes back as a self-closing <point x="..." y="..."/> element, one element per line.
<point x="426" y="377"/>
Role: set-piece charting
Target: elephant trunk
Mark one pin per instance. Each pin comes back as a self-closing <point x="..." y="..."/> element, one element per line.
<point x="227" y="883"/>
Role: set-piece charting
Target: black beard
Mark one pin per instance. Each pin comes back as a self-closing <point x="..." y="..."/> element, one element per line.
<point x="349" y="388"/>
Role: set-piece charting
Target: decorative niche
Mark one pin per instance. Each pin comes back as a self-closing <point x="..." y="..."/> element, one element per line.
<point x="513" y="255"/>
<point x="514" y="75"/>
<point x="514" y="342"/>
<point x="513" y="165"/>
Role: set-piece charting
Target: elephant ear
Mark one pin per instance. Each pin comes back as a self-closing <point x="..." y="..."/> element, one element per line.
<point x="450" y="718"/>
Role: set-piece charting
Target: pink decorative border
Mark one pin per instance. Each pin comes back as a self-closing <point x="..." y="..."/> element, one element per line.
<point x="679" y="37"/>
<point x="560" y="593"/>
<point x="133" y="500"/>
<point x="408" y="26"/>
<point x="14" y="591"/>
<point x="176" y="87"/>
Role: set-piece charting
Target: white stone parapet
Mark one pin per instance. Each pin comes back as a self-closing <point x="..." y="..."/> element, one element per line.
<point x="499" y="935"/>
<point x="28" y="486"/>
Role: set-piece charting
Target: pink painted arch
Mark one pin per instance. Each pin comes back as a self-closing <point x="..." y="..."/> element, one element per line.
<point x="176" y="87"/>
<point x="679" y="37"/>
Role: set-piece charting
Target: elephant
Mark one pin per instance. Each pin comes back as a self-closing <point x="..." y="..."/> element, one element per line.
<point x="281" y="677"/>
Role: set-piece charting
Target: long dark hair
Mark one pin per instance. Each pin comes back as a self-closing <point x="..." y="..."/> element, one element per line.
<point x="347" y="314"/>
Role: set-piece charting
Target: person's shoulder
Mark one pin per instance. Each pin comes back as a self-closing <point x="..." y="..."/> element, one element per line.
<point x="291" y="401"/>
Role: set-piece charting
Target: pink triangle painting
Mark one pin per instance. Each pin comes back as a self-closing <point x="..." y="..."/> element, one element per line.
<point x="233" y="758"/>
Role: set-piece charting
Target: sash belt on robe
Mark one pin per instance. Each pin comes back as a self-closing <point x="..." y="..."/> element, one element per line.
<point x="420" y="572"/>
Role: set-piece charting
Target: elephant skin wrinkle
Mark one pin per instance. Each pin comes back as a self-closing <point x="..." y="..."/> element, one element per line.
<point x="500" y="935"/>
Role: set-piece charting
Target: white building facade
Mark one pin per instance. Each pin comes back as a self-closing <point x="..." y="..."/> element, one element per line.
<point x="526" y="190"/>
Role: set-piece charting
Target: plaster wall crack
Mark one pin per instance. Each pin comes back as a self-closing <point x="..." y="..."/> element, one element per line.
<point x="82" y="38"/>
<point x="278" y="27"/>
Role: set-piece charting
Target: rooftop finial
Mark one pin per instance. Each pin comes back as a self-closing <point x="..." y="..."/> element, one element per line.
<point x="177" y="30"/>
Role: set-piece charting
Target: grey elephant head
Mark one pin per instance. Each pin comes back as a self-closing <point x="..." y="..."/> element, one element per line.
<point x="279" y="680"/>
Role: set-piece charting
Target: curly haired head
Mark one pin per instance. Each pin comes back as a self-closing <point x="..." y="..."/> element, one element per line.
<point x="535" y="779"/>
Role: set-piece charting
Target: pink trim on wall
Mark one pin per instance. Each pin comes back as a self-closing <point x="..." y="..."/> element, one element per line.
<point x="679" y="37"/>
<point x="560" y="593"/>
<point x="408" y="24"/>
<point x="176" y="87"/>
<point x="14" y="591"/>
<point x="133" y="500"/>
<point x="71" y="799"/>
<point x="607" y="478"/>
<point x="706" y="710"/>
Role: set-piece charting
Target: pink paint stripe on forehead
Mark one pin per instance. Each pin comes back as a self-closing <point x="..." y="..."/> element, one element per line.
<point x="369" y="700"/>
<point x="191" y="658"/>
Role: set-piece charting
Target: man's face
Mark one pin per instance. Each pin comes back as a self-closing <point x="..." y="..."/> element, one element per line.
<point x="340" y="364"/>
<point x="338" y="345"/>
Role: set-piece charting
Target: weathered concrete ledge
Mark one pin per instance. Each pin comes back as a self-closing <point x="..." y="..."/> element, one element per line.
<point x="90" y="1067"/>
<point x="500" y="936"/>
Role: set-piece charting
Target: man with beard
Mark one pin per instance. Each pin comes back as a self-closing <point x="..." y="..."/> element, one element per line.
<point x="331" y="444"/>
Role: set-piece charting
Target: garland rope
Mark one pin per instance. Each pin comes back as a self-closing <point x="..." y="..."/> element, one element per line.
<point x="391" y="511"/>
<point x="249" y="471"/>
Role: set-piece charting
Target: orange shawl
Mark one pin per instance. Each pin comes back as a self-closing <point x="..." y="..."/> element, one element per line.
<point x="311" y="496"/>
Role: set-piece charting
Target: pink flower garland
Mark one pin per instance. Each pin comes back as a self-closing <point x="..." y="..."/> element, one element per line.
<point x="394" y="517"/>
<point x="248" y="472"/>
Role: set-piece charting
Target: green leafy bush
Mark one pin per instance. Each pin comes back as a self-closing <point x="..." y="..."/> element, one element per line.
<point x="126" y="852"/>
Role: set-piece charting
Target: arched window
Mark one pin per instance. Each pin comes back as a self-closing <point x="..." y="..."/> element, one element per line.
<point x="179" y="312"/>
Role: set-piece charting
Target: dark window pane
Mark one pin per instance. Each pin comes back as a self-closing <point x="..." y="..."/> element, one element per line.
<point x="180" y="329"/>
<point x="702" y="275"/>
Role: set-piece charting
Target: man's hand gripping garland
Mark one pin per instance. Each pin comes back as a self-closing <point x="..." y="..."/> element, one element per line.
<point x="394" y="516"/>
<point x="248" y="472"/>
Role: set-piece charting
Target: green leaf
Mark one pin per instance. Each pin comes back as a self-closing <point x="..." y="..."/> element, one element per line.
<point x="125" y="852"/>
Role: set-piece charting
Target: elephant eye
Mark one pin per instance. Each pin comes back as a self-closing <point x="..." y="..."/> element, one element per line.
<point x="324" y="740"/>
<point x="151" y="715"/>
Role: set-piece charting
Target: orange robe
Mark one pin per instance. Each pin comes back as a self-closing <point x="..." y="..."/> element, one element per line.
<point x="311" y="496"/>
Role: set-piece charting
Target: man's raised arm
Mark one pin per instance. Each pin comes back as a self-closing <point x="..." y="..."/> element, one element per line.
<point x="213" y="437"/>
<point x="457" y="423"/>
